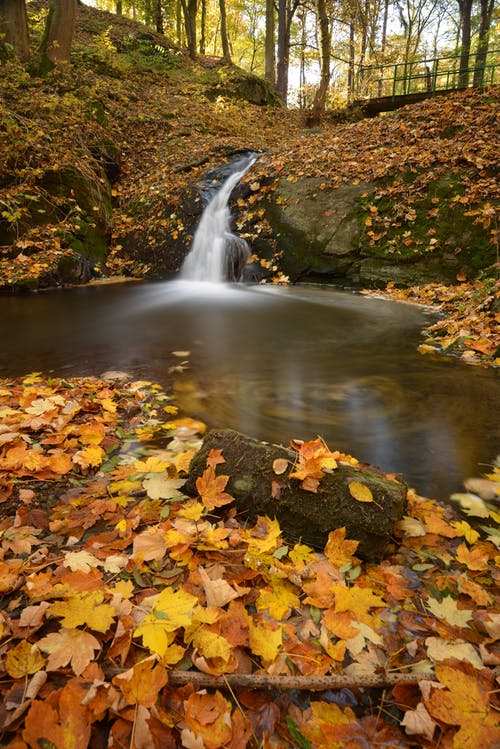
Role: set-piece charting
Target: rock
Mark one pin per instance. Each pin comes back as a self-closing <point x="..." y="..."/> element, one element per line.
<point x="377" y="272"/>
<point x="304" y="514"/>
<point x="318" y="229"/>
<point x="231" y="82"/>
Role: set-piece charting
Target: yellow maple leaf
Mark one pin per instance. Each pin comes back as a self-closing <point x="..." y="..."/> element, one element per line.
<point x="357" y="601"/>
<point x="301" y="555"/>
<point x="476" y="558"/>
<point x="152" y="464"/>
<point x="86" y="609"/>
<point x="171" y="610"/>
<point x="124" y="588"/>
<point x="91" y="456"/>
<point x="264" y="537"/>
<point x="108" y="405"/>
<point x="23" y="659"/>
<point x="191" y="510"/>
<point x="265" y="640"/>
<point x="463" y="528"/>
<point x="91" y="434"/>
<point x="183" y="461"/>
<point x="211" y="645"/>
<point x="278" y="600"/>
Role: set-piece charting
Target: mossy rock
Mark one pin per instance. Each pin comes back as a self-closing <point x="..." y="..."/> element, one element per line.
<point x="233" y="83"/>
<point x="90" y="194"/>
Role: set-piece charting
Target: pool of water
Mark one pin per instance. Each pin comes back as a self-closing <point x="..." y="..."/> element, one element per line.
<point x="275" y="363"/>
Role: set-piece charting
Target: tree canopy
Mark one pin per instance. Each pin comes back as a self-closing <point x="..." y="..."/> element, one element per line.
<point x="319" y="52"/>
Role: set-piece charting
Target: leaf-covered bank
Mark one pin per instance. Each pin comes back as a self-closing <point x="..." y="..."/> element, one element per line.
<point x="121" y="598"/>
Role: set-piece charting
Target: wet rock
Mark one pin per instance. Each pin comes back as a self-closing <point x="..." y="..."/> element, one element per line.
<point x="303" y="514"/>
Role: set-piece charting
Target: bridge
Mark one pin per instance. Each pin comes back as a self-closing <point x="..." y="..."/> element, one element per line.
<point x="381" y="88"/>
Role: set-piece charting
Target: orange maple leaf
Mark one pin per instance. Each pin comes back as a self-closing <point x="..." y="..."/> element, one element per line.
<point x="209" y="716"/>
<point x="339" y="550"/>
<point x="215" y="457"/>
<point x="64" y="723"/>
<point x="465" y="703"/>
<point x="313" y="459"/>
<point x="211" y="489"/>
<point x="141" y="684"/>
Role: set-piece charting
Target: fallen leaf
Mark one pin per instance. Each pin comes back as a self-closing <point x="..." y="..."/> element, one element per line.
<point x="23" y="659"/>
<point x="448" y="611"/>
<point x="142" y="684"/>
<point x="360" y="491"/>
<point x="440" y="650"/>
<point x="419" y="722"/>
<point x="69" y="646"/>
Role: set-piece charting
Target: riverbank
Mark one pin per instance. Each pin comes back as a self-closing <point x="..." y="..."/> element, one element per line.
<point x="470" y="328"/>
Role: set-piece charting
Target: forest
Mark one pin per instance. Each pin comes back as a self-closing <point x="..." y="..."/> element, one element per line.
<point x="160" y="581"/>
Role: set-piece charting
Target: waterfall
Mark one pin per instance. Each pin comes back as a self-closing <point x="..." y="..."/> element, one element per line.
<point x="216" y="254"/>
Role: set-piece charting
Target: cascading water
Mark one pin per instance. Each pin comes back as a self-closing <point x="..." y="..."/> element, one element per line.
<point x="216" y="254"/>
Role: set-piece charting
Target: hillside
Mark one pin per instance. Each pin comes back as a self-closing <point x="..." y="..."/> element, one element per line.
<point x="102" y="164"/>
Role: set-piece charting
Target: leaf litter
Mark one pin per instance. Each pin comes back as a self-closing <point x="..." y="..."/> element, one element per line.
<point x="129" y="611"/>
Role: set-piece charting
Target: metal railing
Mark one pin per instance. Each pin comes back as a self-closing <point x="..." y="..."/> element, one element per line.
<point x="432" y="74"/>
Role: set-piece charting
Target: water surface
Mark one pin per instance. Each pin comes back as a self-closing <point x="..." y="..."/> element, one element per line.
<point x="275" y="363"/>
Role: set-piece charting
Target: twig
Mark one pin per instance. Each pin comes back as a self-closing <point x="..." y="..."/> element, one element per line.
<point x="304" y="683"/>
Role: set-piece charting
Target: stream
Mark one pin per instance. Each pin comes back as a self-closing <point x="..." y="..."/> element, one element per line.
<point x="275" y="363"/>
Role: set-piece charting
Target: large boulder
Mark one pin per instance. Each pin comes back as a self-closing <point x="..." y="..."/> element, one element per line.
<point x="317" y="228"/>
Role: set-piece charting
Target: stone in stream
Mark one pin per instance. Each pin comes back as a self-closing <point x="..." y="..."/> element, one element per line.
<point x="302" y="514"/>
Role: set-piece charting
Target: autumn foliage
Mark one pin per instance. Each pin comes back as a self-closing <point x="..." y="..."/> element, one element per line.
<point x="129" y="611"/>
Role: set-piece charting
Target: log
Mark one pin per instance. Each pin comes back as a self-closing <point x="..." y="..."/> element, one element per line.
<point x="305" y="515"/>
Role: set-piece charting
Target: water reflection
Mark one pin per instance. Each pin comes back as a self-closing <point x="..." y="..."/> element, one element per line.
<point x="275" y="364"/>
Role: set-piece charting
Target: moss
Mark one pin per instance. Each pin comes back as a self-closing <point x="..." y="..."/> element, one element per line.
<point x="429" y="222"/>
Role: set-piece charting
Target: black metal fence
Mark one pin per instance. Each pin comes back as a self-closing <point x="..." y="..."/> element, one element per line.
<point x="433" y="74"/>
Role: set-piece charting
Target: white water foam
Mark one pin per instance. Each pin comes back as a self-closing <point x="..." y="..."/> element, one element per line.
<point x="210" y="258"/>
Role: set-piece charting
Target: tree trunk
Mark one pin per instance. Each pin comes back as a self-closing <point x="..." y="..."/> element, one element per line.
<point x="350" y="72"/>
<point x="203" y="27"/>
<point x="318" y="106"/>
<point x="383" y="44"/>
<point x="282" y="61"/>
<point x="465" y="35"/>
<point x="14" y="27"/>
<point x="178" y="22"/>
<point x="226" y="53"/>
<point x="258" y="490"/>
<point x="190" y="8"/>
<point x="55" y="47"/>
<point x="483" y="41"/>
<point x="302" y="69"/>
<point x="119" y="8"/>
<point x="158" y="13"/>
<point x="270" y="56"/>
